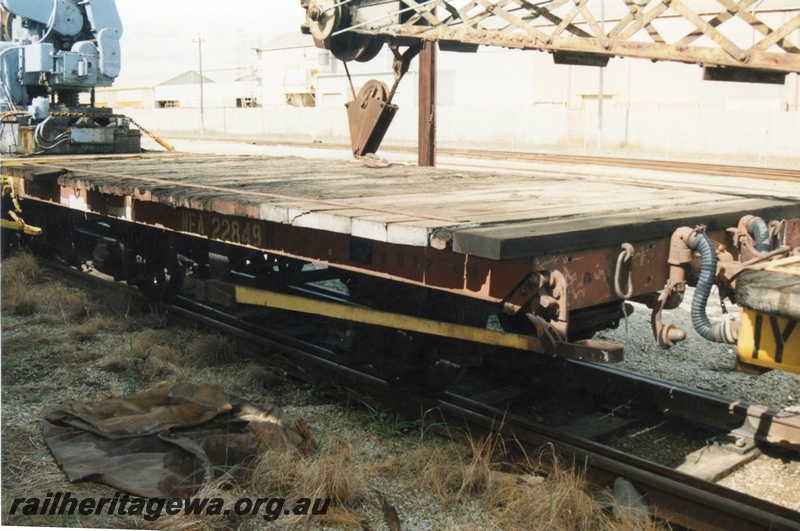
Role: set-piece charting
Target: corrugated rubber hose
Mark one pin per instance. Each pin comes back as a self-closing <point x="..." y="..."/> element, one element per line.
<point x="703" y="326"/>
<point x="760" y="234"/>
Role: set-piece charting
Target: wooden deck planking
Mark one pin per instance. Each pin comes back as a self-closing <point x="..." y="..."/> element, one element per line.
<point x="495" y="215"/>
<point x="514" y="240"/>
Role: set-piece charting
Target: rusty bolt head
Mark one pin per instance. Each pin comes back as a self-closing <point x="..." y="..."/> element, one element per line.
<point x="314" y="13"/>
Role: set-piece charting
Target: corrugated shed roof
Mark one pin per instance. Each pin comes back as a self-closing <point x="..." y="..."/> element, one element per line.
<point x="141" y="81"/>
<point x="187" y="78"/>
<point x="190" y="77"/>
<point x="292" y="39"/>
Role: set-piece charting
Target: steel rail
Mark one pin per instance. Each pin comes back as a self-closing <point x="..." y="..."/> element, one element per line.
<point x="728" y="170"/>
<point x="705" y="168"/>
<point x="777" y="428"/>
<point x="676" y="497"/>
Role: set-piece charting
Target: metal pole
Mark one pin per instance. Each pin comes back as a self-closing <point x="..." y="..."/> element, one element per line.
<point x="427" y="106"/>
<point x="200" y="42"/>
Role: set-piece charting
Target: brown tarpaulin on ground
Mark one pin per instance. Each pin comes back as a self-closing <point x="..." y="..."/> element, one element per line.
<point x="168" y="442"/>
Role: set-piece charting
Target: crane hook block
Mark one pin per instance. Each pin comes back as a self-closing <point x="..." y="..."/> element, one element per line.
<point x="369" y="115"/>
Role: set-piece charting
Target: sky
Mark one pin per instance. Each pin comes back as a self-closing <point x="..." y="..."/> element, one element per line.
<point x="158" y="35"/>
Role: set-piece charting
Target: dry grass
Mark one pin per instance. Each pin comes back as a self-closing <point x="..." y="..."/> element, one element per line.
<point x="331" y="474"/>
<point x="477" y="471"/>
<point x="455" y="471"/>
<point x="75" y="357"/>
<point x="136" y="359"/>
<point x="68" y="304"/>
<point x="148" y="358"/>
<point x="211" y="350"/>
<point x="159" y="360"/>
<point x="158" y="369"/>
<point x="89" y="329"/>
<point x="438" y="468"/>
<point x="20" y="273"/>
<point x="22" y="268"/>
<point x="117" y="362"/>
<point x="275" y="471"/>
<point x="256" y="377"/>
<point x="222" y="488"/>
<point x="25" y="294"/>
<point x="124" y="305"/>
<point x="520" y="499"/>
<point x="151" y="342"/>
<point x="559" y="500"/>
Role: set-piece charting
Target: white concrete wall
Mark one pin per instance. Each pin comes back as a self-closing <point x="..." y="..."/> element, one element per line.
<point x="665" y="131"/>
<point x="214" y="94"/>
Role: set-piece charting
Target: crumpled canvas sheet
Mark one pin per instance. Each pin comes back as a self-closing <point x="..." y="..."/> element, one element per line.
<point x="168" y="442"/>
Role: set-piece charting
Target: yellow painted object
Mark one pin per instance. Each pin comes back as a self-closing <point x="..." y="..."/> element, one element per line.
<point x="769" y="336"/>
<point x="769" y="341"/>
<point x="785" y="266"/>
<point x="227" y="294"/>
<point x="357" y="314"/>
<point x="11" y="189"/>
<point x="20" y="225"/>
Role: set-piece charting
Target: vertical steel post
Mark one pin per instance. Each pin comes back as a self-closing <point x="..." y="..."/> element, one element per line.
<point x="427" y="105"/>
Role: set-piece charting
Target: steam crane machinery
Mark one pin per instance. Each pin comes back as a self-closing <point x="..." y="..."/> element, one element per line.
<point x="733" y="40"/>
<point x="51" y="53"/>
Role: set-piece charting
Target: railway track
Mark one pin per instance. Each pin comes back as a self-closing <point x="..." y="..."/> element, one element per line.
<point x="726" y="170"/>
<point x="675" y="497"/>
<point x="672" y="166"/>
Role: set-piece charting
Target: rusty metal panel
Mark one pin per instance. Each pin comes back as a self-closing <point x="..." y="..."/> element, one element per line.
<point x="590" y="273"/>
<point x="439" y="269"/>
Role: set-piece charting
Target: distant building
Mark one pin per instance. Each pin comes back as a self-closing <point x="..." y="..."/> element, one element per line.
<point x="291" y="64"/>
<point x="221" y="88"/>
<point x="129" y="93"/>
